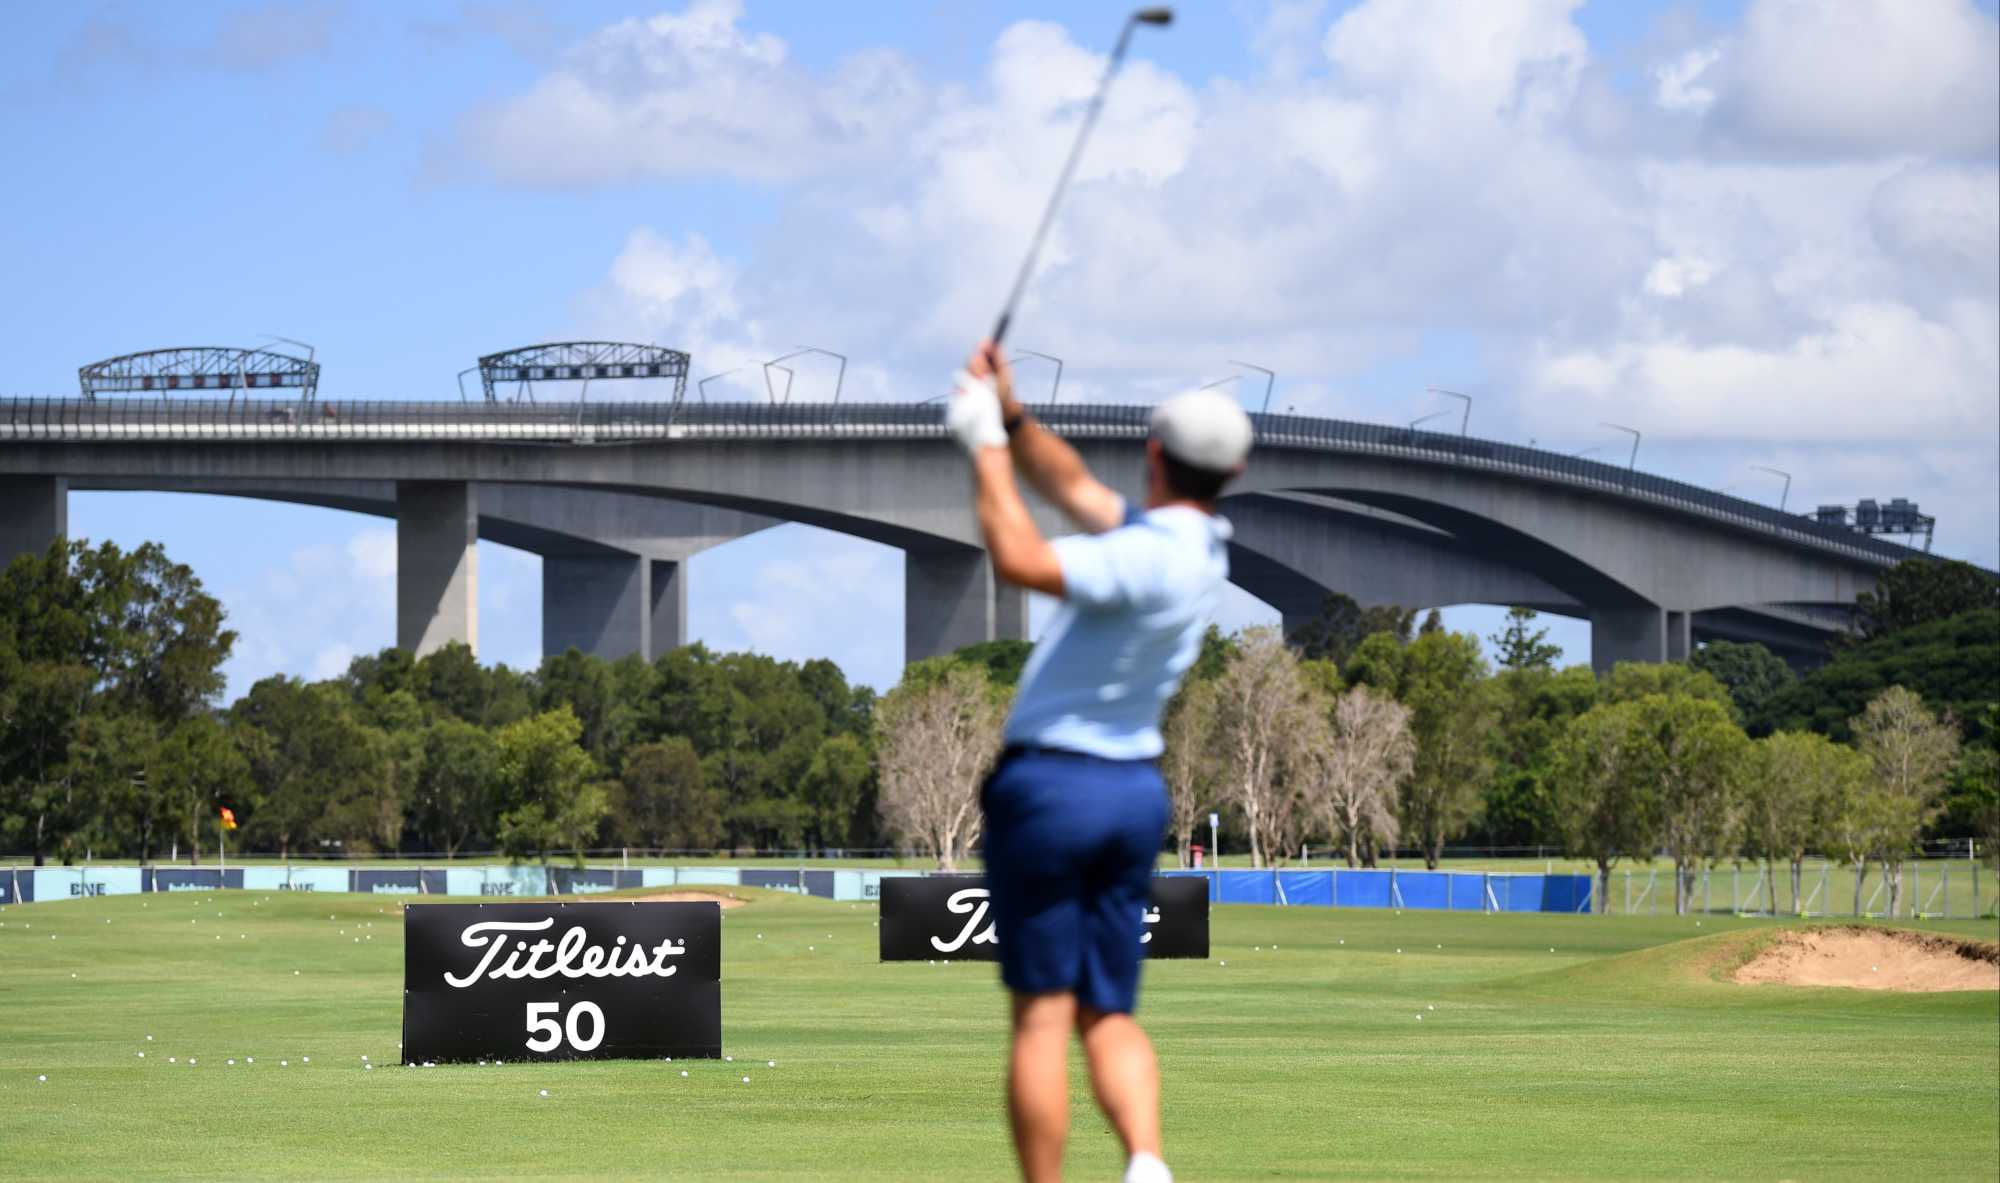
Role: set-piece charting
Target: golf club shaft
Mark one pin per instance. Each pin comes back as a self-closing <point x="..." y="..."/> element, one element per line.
<point x="1062" y="182"/>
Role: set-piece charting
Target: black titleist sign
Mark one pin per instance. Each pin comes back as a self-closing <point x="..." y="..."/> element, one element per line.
<point x="556" y="981"/>
<point x="949" y="916"/>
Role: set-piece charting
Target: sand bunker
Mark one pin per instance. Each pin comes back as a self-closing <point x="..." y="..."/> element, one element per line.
<point x="685" y="897"/>
<point x="1875" y="959"/>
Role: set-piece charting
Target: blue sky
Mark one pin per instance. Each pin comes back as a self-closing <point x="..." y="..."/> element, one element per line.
<point x="1761" y="248"/>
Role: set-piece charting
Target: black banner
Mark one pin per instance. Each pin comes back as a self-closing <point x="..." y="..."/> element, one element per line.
<point x="562" y="981"/>
<point x="16" y="887"/>
<point x="947" y="916"/>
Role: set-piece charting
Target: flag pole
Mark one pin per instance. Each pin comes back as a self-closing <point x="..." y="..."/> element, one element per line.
<point x="221" y="848"/>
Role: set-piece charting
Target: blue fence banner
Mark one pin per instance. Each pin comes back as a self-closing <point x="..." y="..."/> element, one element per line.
<point x="1340" y="887"/>
<point x="192" y="879"/>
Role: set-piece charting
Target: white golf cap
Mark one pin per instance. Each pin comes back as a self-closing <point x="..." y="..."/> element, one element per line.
<point x="1203" y="428"/>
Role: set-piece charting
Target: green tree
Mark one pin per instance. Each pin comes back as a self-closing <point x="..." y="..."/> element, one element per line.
<point x="1798" y="783"/>
<point x="309" y="756"/>
<point x="1696" y="754"/>
<point x="837" y="788"/>
<point x="1377" y="662"/>
<point x="1342" y="623"/>
<point x="1630" y="681"/>
<point x="1912" y="753"/>
<point x="1920" y="591"/>
<point x="1534" y="704"/>
<point x="117" y="808"/>
<point x="1522" y="646"/>
<point x="1752" y="674"/>
<point x="1608" y="808"/>
<point x="667" y="802"/>
<point x="199" y="769"/>
<point x="1003" y="661"/>
<point x="1952" y="664"/>
<point x="455" y="790"/>
<point x="548" y="798"/>
<point x="1452" y="710"/>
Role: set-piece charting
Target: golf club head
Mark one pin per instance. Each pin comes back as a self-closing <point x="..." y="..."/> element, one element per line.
<point x="1158" y="15"/>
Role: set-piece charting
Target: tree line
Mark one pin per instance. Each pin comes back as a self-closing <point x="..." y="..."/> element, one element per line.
<point x="1362" y="732"/>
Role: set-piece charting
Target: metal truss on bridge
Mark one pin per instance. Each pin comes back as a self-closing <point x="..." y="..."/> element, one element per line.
<point x="580" y="361"/>
<point x="632" y="423"/>
<point x="199" y="368"/>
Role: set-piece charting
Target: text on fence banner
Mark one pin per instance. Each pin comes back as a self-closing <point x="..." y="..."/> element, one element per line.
<point x="949" y="916"/>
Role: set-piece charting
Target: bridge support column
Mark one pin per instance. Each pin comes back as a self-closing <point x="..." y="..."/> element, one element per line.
<point x="951" y="600"/>
<point x="1680" y="635"/>
<point x="1010" y="611"/>
<point x="596" y="604"/>
<point x="34" y="511"/>
<point x="437" y="565"/>
<point x="1636" y="633"/>
<point x="668" y="606"/>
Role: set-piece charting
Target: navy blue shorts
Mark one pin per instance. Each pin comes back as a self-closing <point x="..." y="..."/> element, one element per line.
<point x="1071" y="842"/>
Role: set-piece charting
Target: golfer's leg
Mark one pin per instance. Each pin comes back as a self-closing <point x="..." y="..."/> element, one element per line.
<point x="1125" y="1075"/>
<point x="1038" y="1082"/>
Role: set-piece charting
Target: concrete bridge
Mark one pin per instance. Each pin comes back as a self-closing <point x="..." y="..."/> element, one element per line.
<point x="616" y="497"/>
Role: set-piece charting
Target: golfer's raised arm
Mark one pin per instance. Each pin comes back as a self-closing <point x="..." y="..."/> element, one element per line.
<point x="1045" y="459"/>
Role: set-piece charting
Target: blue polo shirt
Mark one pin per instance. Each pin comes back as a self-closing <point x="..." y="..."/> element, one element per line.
<point x="1135" y="602"/>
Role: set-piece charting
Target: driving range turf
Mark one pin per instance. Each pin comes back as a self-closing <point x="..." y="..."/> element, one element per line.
<point x="1559" y="1046"/>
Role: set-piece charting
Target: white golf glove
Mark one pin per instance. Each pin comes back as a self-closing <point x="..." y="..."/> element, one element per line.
<point x="973" y="414"/>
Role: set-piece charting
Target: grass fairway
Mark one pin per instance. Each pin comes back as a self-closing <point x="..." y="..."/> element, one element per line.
<point x="1560" y="1046"/>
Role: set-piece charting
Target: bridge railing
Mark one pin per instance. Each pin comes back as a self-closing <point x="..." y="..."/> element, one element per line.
<point x="160" y="420"/>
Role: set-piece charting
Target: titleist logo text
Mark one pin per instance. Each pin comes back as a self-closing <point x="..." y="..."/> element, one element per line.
<point x="570" y="955"/>
<point x="972" y="904"/>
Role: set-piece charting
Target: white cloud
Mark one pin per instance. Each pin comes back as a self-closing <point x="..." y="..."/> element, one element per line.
<point x="1862" y="77"/>
<point x="689" y="93"/>
<point x="1776" y="239"/>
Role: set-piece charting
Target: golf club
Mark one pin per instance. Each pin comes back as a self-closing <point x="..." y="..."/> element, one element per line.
<point x="1144" y="16"/>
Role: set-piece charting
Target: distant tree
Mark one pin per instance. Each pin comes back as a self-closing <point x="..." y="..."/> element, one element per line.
<point x="198" y="769"/>
<point x="836" y="784"/>
<point x="1534" y="704"/>
<point x="1002" y="660"/>
<point x="1912" y="752"/>
<point x="1217" y="648"/>
<point x="1521" y="645"/>
<point x="1452" y="711"/>
<point x="1188" y="766"/>
<point x="1751" y="673"/>
<point x="1630" y="681"/>
<point x="1378" y="662"/>
<point x="550" y="799"/>
<point x="1971" y="805"/>
<point x="454" y="798"/>
<point x="1953" y="664"/>
<point x="308" y="756"/>
<point x="119" y="809"/>
<point x="1920" y="591"/>
<point x="1433" y="623"/>
<point x="848" y="710"/>
<point x="667" y="802"/>
<point x="1342" y="624"/>
<point x="1609" y="809"/>
<point x="936" y="734"/>
<point x="1369" y="754"/>
<point x="1267" y="719"/>
<point x="587" y="685"/>
<point x="1697" y="756"/>
<point x="90" y="635"/>
<point x="1798" y="783"/>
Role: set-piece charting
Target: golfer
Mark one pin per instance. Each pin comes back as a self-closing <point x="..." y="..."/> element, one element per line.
<point x="1075" y="807"/>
